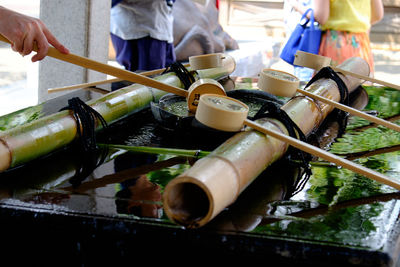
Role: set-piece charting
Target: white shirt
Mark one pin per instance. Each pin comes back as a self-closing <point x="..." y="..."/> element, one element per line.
<point x="134" y="19"/>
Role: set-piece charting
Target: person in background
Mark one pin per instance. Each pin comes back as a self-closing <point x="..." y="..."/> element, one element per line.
<point x="292" y="18"/>
<point x="23" y="31"/>
<point x="346" y="25"/>
<point x="142" y="33"/>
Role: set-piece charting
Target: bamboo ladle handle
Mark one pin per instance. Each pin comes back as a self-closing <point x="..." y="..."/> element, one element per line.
<point x="91" y="84"/>
<point x="82" y="85"/>
<point x="367" y="78"/>
<point x="110" y="70"/>
<point x="352" y="111"/>
<point x="326" y="155"/>
<point x="214" y="111"/>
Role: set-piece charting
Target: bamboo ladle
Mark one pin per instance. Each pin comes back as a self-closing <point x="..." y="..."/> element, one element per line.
<point x="317" y="62"/>
<point x="83" y="85"/>
<point x="195" y="62"/>
<point x="228" y="114"/>
<point x="92" y="84"/>
<point x="192" y="94"/>
<point x="284" y="84"/>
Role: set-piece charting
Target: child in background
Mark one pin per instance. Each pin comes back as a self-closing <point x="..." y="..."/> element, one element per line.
<point x="142" y="33"/>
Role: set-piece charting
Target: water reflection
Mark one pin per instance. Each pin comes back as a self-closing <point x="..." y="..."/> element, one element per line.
<point x="135" y="193"/>
<point x="141" y="198"/>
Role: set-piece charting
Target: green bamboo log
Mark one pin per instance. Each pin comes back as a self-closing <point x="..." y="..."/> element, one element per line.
<point x="215" y="181"/>
<point x="32" y="140"/>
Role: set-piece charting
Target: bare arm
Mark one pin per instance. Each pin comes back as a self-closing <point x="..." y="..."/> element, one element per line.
<point x="321" y="9"/>
<point x="23" y="31"/>
<point x="377" y="11"/>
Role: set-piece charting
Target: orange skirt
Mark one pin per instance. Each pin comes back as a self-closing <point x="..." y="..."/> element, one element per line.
<point x="340" y="46"/>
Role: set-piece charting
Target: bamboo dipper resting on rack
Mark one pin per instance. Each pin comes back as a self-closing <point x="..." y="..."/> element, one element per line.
<point x="192" y="94"/>
<point x="93" y="84"/>
<point x="199" y="62"/>
<point x="214" y="182"/>
<point x="285" y="84"/>
<point x="317" y="62"/>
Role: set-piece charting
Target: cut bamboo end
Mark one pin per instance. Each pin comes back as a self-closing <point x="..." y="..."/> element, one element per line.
<point x="207" y="61"/>
<point x="221" y="112"/>
<point x="201" y="87"/>
<point x="187" y="202"/>
<point x="278" y="83"/>
<point x="5" y="157"/>
<point x="311" y="61"/>
<point x="195" y="197"/>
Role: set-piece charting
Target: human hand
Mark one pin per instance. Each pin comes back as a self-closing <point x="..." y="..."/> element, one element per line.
<point x="24" y="31"/>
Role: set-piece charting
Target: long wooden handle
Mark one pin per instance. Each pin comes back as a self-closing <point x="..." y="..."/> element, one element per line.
<point x="92" y="84"/>
<point x="82" y="85"/>
<point x="352" y="111"/>
<point x="110" y="70"/>
<point x="326" y="155"/>
<point x="366" y="78"/>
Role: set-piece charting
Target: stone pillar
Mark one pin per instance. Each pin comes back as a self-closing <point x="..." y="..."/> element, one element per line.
<point x="83" y="27"/>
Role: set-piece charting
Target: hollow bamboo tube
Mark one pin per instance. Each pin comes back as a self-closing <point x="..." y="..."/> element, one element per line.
<point x="110" y="70"/>
<point x="91" y="84"/>
<point x="32" y="140"/>
<point x="215" y="181"/>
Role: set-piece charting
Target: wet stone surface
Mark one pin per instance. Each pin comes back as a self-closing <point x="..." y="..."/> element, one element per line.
<point x="109" y="204"/>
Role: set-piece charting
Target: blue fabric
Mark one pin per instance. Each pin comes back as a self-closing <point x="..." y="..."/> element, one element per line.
<point x="143" y="54"/>
<point x="304" y="38"/>
<point x="116" y="2"/>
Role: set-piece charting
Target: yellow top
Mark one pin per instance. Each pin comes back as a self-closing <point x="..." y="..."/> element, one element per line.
<point x="349" y="15"/>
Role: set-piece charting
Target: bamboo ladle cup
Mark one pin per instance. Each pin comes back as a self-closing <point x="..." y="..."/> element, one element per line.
<point x="192" y="94"/>
<point x="228" y="114"/>
<point x="284" y="84"/>
<point x="317" y="62"/>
